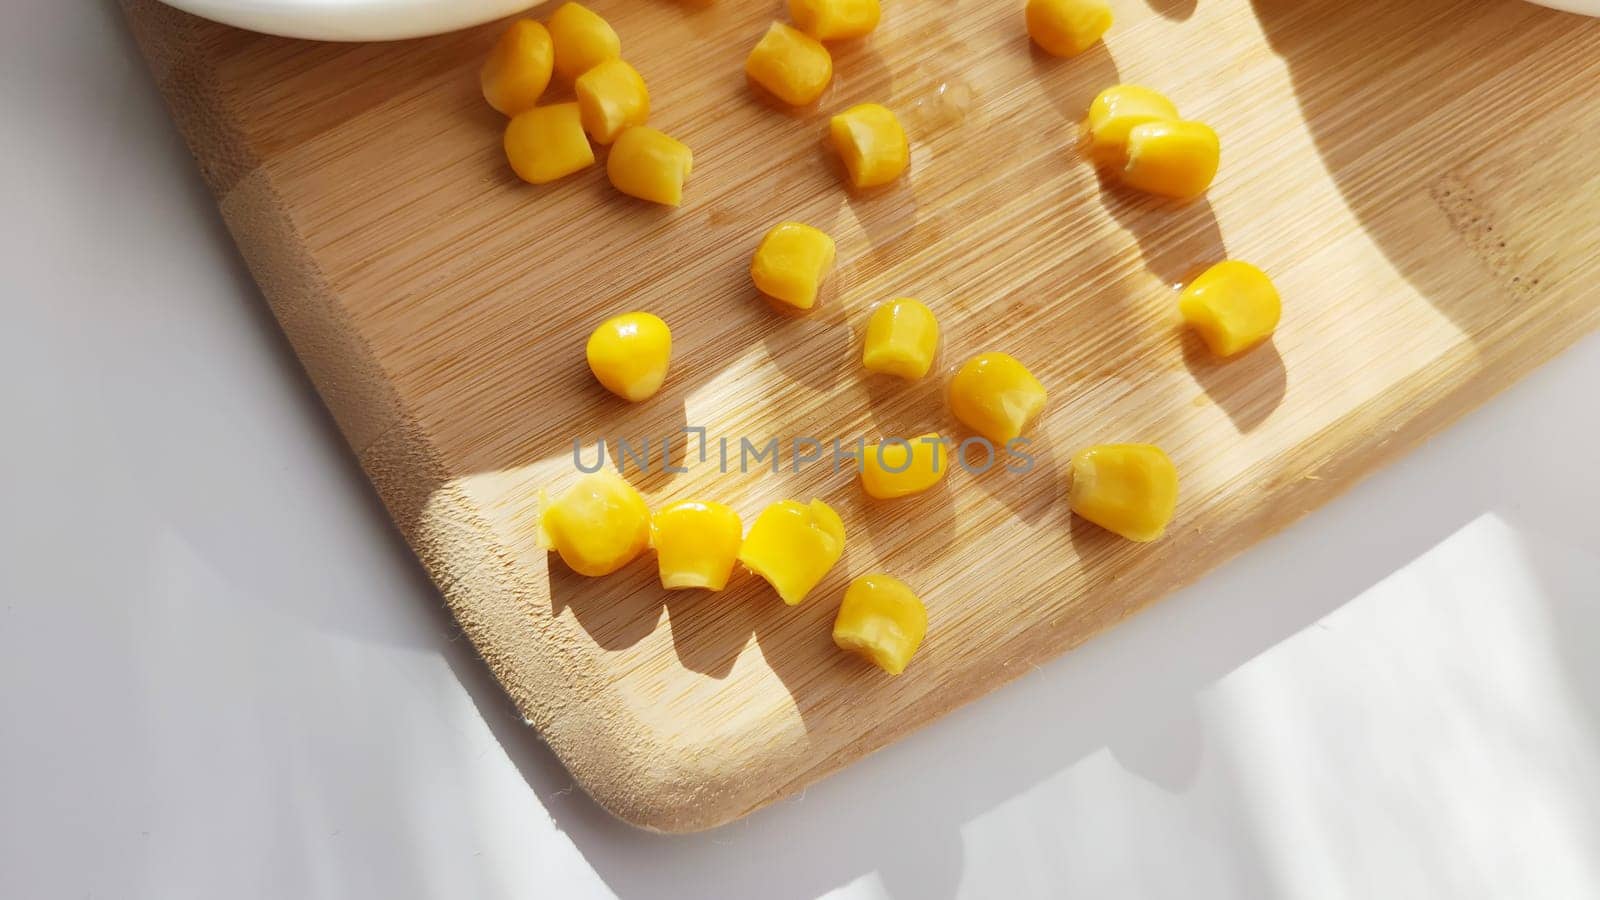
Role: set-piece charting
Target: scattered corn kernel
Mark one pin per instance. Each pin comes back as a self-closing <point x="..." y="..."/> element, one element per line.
<point x="628" y="354"/>
<point x="871" y="143"/>
<point x="790" y="64"/>
<point x="598" y="526"/>
<point x="647" y="164"/>
<point x="904" y="467"/>
<point x="696" y="544"/>
<point x="582" y="40"/>
<point x="1175" y="159"/>
<point x="1129" y="489"/>
<point x="835" y="20"/>
<point x="518" y="68"/>
<point x="1067" y="27"/>
<point x="791" y="262"/>
<point x="611" y="97"/>
<point x="902" y="338"/>
<point x="995" y="396"/>
<point x="547" y="142"/>
<point x="1116" y="111"/>
<point x="793" y="545"/>
<point x="881" y="619"/>
<point x="1233" y="305"/>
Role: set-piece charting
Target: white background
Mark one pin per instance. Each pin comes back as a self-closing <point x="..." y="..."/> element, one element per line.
<point x="223" y="675"/>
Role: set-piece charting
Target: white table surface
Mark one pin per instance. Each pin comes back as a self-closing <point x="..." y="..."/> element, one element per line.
<point x="223" y="675"/>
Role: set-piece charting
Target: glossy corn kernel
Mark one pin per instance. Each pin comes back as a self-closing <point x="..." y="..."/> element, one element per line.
<point x="793" y="545"/>
<point x="882" y="620"/>
<point x="1067" y="27"/>
<point x="518" y="68"/>
<point x="871" y="143"/>
<point x="995" y="396"/>
<point x="791" y="262"/>
<point x="547" y="142"/>
<point x="790" y="64"/>
<point x="904" y="467"/>
<point x="1129" y="489"/>
<point x="598" y="526"/>
<point x="1116" y="111"/>
<point x="1174" y="159"/>
<point x="902" y="338"/>
<point x="611" y="97"/>
<point x="696" y="544"/>
<point x="629" y="354"/>
<point x="582" y="40"/>
<point x="647" y="164"/>
<point x="835" y="20"/>
<point x="1233" y="305"/>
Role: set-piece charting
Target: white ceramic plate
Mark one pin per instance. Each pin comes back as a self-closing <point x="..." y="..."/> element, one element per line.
<point x="354" y="20"/>
<point x="385" y="20"/>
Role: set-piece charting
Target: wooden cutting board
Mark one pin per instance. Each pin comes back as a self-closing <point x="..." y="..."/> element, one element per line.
<point x="1419" y="176"/>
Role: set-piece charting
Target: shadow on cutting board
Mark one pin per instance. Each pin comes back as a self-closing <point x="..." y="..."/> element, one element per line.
<point x="1387" y="123"/>
<point x="1248" y="387"/>
<point x="1174" y="238"/>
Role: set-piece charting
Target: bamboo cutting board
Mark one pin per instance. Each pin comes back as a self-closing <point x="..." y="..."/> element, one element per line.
<point x="1420" y="177"/>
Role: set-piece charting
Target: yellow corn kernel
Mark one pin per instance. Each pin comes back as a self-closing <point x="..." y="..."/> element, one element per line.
<point x="793" y="545"/>
<point x="628" y="354"/>
<point x="871" y="143"/>
<point x="1233" y="305"/>
<point x="647" y="164"/>
<point x="547" y="142"/>
<point x="582" y="40"/>
<point x="1067" y="27"/>
<point x="902" y="338"/>
<point x="696" y="544"/>
<point x="881" y="619"/>
<point x="791" y="262"/>
<point x="518" y="68"/>
<point x="790" y="65"/>
<point x="1175" y="159"/>
<point x="995" y="396"/>
<point x="1129" y="489"/>
<point x="598" y="526"/>
<point x="900" y="468"/>
<point x="1116" y="111"/>
<point x="611" y="97"/>
<point x="835" y="20"/>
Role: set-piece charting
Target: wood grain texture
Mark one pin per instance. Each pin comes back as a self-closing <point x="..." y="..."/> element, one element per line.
<point x="1419" y="176"/>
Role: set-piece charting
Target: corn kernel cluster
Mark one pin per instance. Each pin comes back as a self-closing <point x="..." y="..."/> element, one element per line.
<point x="544" y="143"/>
<point x="1137" y="134"/>
<point x="791" y="64"/>
<point x="603" y="523"/>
